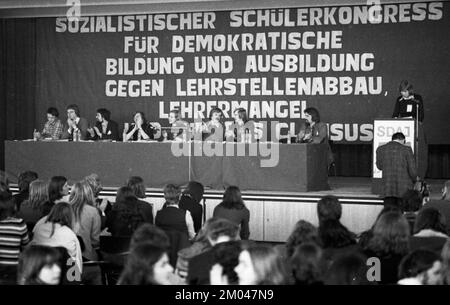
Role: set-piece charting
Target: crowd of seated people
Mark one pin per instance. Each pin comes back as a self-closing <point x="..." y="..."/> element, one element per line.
<point x="53" y="237"/>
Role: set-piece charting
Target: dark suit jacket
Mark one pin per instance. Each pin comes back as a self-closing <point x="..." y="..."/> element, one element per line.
<point x="112" y="131"/>
<point x="399" y="168"/>
<point x="82" y="125"/>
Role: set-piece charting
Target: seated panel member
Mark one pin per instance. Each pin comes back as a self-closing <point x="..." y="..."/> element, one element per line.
<point x="242" y="128"/>
<point x="140" y="129"/>
<point x="178" y="126"/>
<point x="105" y="128"/>
<point x="75" y="123"/>
<point x="53" y="128"/>
<point x="214" y="130"/>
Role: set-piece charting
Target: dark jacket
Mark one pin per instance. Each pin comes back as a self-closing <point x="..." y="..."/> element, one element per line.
<point x="124" y="218"/>
<point x="399" y="168"/>
<point x="82" y="126"/>
<point x="112" y="132"/>
<point x="240" y="217"/>
<point x="188" y="203"/>
<point x="172" y="218"/>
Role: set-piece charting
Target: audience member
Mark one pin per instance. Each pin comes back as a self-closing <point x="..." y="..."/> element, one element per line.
<point x="55" y="230"/>
<point x="13" y="237"/>
<point x="219" y="231"/>
<point x="414" y="267"/>
<point x="443" y="205"/>
<point x="227" y="256"/>
<point x="410" y="204"/>
<point x="190" y="201"/>
<point x="258" y="265"/>
<point x="146" y="209"/>
<point x="37" y="205"/>
<point x="171" y="217"/>
<point x="445" y="267"/>
<point x="429" y="231"/>
<point x="125" y="216"/>
<point x="23" y="182"/>
<point x="87" y="219"/>
<point x="40" y="265"/>
<point x="147" y="264"/>
<point x="348" y="269"/>
<point x="306" y="264"/>
<point x="390" y="242"/>
<point x="58" y="190"/>
<point x="148" y="233"/>
<point x="103" y="205"/>
<point x="303" y="232"/>
<point x="233" y="208"/>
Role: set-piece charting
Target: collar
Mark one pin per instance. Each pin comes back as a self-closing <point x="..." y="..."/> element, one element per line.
<point x="77" y="120"/>
<point x="410" y="97"/>
<point x="430" y="233"/>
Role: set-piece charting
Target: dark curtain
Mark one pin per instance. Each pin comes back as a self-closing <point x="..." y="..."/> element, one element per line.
<point x="17" y="80"/>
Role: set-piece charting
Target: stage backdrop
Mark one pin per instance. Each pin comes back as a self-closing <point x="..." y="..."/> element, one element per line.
<point x="347" y="61"/>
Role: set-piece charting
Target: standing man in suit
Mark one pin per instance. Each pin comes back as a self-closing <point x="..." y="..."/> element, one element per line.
<point x="75" y="123"/>
<point x="397" y="162"/>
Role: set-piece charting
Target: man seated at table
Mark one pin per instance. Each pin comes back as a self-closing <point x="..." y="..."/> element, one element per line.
<point x="105" y="128"/>
<point x="53" y="128"/>
<point x="75" y="123"/>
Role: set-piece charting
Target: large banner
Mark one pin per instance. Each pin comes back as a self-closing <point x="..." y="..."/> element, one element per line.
<point x="347" y="61"/>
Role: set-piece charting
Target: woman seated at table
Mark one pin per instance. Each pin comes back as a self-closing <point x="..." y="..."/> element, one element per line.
<point x="243" y="129"/>
<point x="53" y="128"/>
<point x="213" y="129"/>
<point x="140" y="129"/>
<point x="178" y="126"/>
<point x="105" y="128"/>
<point x="314" y="131"/>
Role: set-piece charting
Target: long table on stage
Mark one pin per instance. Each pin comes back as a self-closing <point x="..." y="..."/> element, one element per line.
<point x="300" y="167"/>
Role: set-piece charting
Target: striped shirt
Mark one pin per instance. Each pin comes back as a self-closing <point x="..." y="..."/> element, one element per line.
<point x="13" y="236"/>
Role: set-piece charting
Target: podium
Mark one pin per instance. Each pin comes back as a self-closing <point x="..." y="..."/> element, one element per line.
<point x="383" y="129"/>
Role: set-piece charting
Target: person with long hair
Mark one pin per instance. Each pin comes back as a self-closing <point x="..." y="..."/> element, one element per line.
<point x="147" y="264"/>
<point x="137" y="185"/>
<point x="105" y="128"/>
<point x="213" y="129"/>
<point x="443" y="204"/>
<point x="139" y="130"/>
<point x="258" y="265"/>
<point x="38" y="204"/>
<point x="429" y="230"/>
<point x="58" y="189"/>
<point x="125" y="216"/>
<point x="233" y="208"/>
<point x="348" y="269"/>
<point x="40" y="265"/>
<point x="417" y="268"/>
<point x="102" y="204"/>
<point x="23" y="183"/>
<point x="243" y="129"/>
<point x="87" y="222"/>
<point x="306" y="264"/>
<point x="303" y="232"/>
<point x="390" y="243"/>
<point x="190" y="201"/>
<point x="55" y="230"/>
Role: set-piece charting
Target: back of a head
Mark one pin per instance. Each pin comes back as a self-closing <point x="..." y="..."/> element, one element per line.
<point x="219" y="227"/>
<point x="125" y="195"/>
<point x="61" y="213"/>
<point x="148" y="233"/>
<point x="227" y="255"/>
<point x="304" y="232"/>
<point x="94" y="182"/>
<point x="172" y="194"/>
<point x="306" y="263"/>
<point x="136" y="183"/>
<point x="431" y="219"/>
<point x="329" y="207"/>
<point x="416" y="262"/>
<point x="196" y="190"/>
<point x="398" y="136"/>
<point x="446" y="193"/>
<point x="335" y="235"/>
<point x="6" y="205"/>
<point x="38" y="193"/>
<point x="232" y="198"/>
<point x="347" y="269"/>
<point x="25" y="179"/>
<point x="391" y="234"/>
<point x="81" y="195"/>
<point x="268" y="265"/>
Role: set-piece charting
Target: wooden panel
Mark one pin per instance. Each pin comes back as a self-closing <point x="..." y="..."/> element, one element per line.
<point x="256" y="216"/>
<point x="281" y="217"/>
